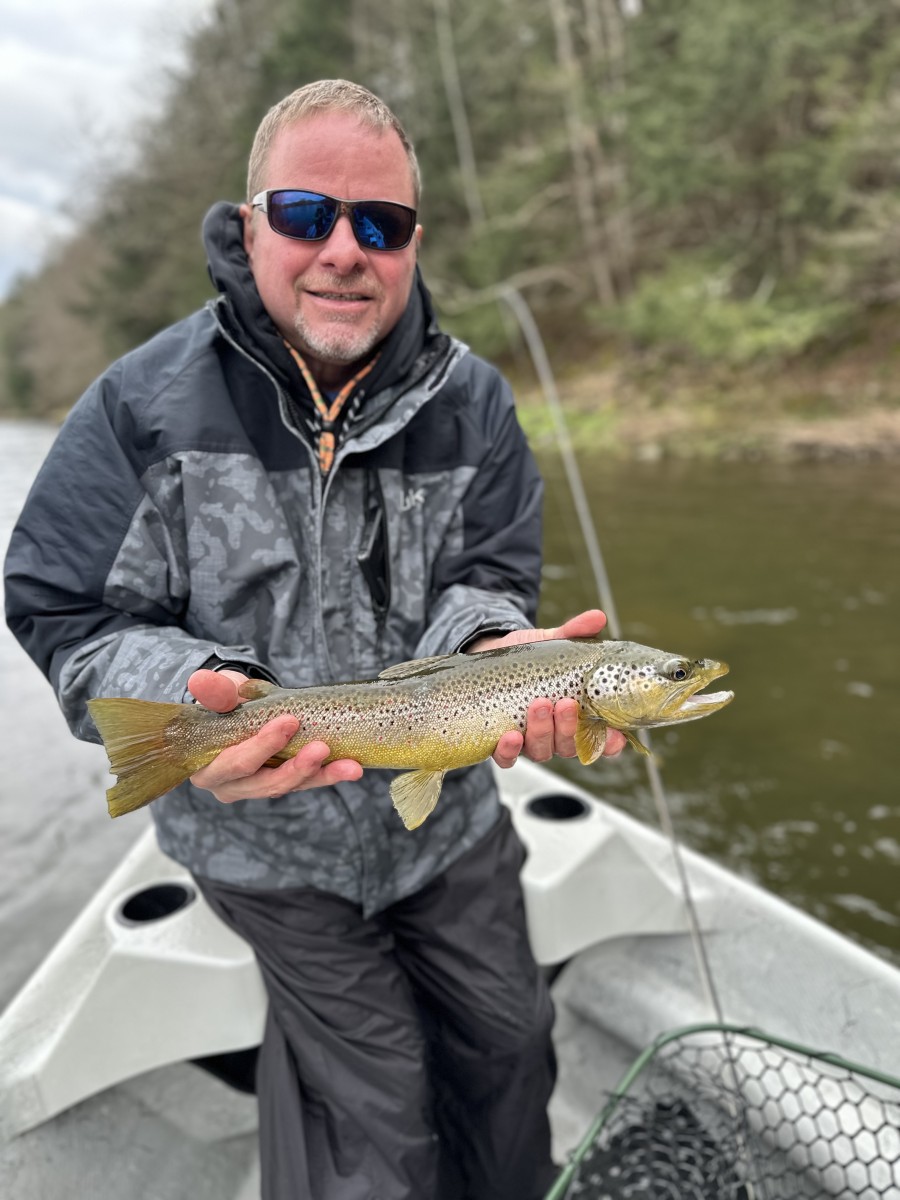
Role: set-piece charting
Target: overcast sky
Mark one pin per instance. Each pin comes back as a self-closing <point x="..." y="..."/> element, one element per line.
<point x="74" y="75"/>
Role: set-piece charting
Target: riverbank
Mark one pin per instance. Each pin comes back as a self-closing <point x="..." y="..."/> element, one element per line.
<point x="832" y="404"/>
<point x="625" y="425"/>
<point x="828" y="405"/>
<point x="606" y="413"/>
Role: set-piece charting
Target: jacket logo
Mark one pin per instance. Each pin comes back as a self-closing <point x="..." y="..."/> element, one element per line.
<point x="414" y="498"/>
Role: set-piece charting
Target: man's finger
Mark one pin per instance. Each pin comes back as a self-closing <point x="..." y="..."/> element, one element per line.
<point x="342" y="770"/>
<point x="508" y="750"/>
<point x="216" y="690"/>
<point x="305" y="770"/>
<point x="565" y="721"/>
<point x="539" y="731"/>
<point x="247" y="757"/>
<point x="301" y="771"/>
<point x="615" y="743"/>
<point x="586" y="624"/>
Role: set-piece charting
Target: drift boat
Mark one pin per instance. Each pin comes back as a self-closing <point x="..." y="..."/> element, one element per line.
<point x="102" y="1049"/>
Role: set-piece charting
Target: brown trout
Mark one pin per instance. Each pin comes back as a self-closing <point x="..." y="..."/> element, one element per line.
<point x="423" y="717"/>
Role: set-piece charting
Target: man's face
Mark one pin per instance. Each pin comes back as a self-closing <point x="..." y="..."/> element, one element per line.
<point x="333" y="300"/>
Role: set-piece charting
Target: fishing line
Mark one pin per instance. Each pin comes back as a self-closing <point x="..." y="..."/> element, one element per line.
<point x="536" y="348"/>
<point x="516" y="302"/>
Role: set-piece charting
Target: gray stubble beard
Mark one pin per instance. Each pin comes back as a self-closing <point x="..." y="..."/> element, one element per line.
<point x="330" y="349"/>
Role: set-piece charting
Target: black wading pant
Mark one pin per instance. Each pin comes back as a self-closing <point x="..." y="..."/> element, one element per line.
<point x="406" y="1056"/>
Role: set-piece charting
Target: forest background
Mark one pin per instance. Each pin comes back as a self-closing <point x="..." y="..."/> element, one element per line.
<point x="698" y="199"/>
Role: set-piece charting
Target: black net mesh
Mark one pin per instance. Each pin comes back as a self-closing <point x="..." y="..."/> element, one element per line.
<point x="726" y="1114"/>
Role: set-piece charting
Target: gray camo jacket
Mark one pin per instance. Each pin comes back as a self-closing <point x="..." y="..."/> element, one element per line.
<point x="181" y="520"/>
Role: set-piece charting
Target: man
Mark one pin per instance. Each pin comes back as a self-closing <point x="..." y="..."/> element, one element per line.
<point x="308" y="481"/>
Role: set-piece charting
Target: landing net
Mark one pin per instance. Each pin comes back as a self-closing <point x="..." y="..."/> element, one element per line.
<point x="719" y="1112"/>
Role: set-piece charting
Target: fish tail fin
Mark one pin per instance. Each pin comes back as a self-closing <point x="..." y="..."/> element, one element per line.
<point x="415" y="793"/>
<point x="146" y="762"/>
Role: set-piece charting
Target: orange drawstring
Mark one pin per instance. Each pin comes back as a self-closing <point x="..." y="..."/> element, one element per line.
<point x="328" y="413"/>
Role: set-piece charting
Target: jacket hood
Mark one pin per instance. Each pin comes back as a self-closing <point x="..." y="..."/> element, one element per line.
<point x="416" y="335"/>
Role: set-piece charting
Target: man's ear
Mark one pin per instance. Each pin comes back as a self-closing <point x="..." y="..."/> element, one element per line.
<point x="247" y="216"/>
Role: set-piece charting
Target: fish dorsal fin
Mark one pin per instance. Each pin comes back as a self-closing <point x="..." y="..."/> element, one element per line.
<point x="256" y="689"/>
<point x="418" y="666"/>
<point x="590" y="737"/>
<point x="415" y="793"/>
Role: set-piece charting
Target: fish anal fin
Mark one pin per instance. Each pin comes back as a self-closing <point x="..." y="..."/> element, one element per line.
<point x="590" y="738"/>
<point x="415" y="793"/>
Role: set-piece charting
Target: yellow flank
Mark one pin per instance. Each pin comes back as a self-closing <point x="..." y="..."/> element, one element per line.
<point x="424" y="717"/>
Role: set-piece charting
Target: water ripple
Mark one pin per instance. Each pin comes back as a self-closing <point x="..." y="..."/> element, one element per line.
<point x="750" y="616"/>
<point x="853" y="903"/>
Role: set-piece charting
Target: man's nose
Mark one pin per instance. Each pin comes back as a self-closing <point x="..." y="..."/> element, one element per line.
<point x="341" y="250"/>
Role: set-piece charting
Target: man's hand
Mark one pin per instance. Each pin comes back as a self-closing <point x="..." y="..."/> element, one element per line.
<point x="550" y="728"/>
<point x="239" y="773"/>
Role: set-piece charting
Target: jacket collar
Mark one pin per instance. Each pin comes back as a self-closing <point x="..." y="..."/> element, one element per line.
<point x="403" y="356"/>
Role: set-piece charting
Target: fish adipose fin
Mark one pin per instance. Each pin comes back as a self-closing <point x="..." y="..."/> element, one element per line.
<point x="415" y="793"/>
<point x="140" y="754"/>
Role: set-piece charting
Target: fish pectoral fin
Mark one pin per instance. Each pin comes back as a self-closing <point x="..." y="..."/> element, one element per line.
<point x="418" y="666"/>
<point x="590" y="738"/>
<point x="415" y="793"/>
<point x="633" y="740"/>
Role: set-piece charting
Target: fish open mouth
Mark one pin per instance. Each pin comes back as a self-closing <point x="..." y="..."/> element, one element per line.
<point x="702" y="703"/>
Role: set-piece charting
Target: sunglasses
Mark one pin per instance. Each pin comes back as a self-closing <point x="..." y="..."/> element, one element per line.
<point x="311" y="216"/>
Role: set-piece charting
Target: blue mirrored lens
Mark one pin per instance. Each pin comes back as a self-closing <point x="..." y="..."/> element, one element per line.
<point x="368" y="231"/>
<point x="381" y="225"/>
<point x="305" y="215"/>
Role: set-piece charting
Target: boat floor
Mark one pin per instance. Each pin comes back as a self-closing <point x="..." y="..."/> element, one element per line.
<point x="178" y="1131"/>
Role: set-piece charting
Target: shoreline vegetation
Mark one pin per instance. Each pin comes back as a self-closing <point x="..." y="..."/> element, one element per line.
<point x="606" y="415"/>
<point x="826" y="405"/>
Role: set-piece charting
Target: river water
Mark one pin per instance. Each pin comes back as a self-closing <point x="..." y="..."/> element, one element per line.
<point x="790" y="574"/>
<point x="57" y="844"/>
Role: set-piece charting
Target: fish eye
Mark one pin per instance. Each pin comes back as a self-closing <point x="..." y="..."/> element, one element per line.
<point x="678" y="670"/>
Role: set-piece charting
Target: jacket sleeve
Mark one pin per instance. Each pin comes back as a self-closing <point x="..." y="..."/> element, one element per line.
<point x="487" y="577"/>
<point x="92" y="630"/>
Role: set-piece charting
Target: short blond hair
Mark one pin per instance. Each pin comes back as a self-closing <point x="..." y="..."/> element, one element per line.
<point x="326" y="95"/>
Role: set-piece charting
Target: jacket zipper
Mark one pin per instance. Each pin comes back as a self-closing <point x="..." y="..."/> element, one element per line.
<point x="320" y="492"/>
<point x="456" y="351"/>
